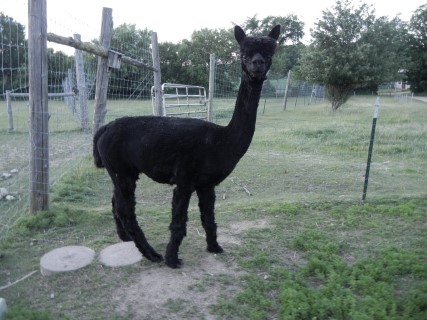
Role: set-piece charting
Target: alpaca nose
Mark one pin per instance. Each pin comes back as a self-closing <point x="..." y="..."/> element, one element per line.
<point x="258" y="63"/>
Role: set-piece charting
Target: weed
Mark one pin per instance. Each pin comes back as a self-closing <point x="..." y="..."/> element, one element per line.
<point x="328" y="287"/>
<point x="43" y="220"/>
<point x="20" y="312"/>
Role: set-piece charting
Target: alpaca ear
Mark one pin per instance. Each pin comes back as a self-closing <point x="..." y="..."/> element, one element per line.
<point x="239" y="34"/>
<point x="275" y="32"/>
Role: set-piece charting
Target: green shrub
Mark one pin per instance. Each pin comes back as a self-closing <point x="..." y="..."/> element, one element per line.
<point x="43" y="220"/>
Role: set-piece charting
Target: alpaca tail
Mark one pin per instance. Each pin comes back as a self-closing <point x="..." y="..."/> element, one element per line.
<point x="96" y="156"/>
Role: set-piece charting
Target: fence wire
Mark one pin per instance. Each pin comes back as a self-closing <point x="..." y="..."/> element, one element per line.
<point x="306" y="172"/>
<point x="128" y="91"/>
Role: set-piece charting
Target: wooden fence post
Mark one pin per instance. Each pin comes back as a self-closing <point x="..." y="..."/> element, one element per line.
<point x="81" y="86"/>
<point x="102" y="72"/>
<point x="9" y="111"/>
<point x="211" y="86"/>
<point x="38" y="103"/>
<point x="288" y="80"/>
<point x="68" y="84"/>
<point x="157" y="76"/>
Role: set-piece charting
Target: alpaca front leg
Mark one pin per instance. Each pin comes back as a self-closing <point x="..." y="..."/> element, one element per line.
<point x="207" y="211"/>
<point x="178" y="226"/>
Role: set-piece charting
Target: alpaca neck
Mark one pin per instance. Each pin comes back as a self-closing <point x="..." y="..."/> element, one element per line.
<point x="242" y="125"/>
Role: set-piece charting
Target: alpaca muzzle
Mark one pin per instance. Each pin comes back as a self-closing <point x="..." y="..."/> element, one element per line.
<point x="257" y="67"/>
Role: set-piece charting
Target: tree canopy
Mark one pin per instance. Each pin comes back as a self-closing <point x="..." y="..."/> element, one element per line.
<point x="129" y="80"/>
<point x="13" y="57"/>
<point x="292" y="29"/>
<point x="351" y="48"/>
<point x="188" y="61"/>
<point x="417" y="68"/>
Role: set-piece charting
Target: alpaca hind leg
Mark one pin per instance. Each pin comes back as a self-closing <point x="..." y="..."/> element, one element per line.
<point x="178" y="226"/>
<point x="124" y="194"/>
<point x="207" y="214"/>
<point x="120" y="230"/>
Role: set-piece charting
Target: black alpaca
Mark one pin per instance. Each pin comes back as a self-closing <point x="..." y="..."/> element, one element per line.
<point x="192" y="154"/>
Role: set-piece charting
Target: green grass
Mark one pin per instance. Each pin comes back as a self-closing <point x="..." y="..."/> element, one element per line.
<point x="310" y="249"/>
<point x="67" y="145"/>
<point x="328" y="265"/>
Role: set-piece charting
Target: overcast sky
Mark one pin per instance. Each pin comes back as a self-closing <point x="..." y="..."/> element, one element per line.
<point x="174" y="20"/>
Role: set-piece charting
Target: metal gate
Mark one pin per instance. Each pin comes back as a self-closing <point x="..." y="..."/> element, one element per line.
<point x="180" y="100"/>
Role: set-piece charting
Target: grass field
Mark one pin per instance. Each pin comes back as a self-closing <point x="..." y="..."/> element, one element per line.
<point x="299" y="244"/>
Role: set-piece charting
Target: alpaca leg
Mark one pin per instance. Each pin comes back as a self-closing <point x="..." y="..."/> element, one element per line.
<point x="178" y="226"/>
<point x="124" y="195"/>
<point x="120" y="230"/>
<point x="207" y="211"/>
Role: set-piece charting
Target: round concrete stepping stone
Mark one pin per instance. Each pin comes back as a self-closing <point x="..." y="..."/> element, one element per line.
<point x="120" y="254"/>
<point x="65" y="259"/>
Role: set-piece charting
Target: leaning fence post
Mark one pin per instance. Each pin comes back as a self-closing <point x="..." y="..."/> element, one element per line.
<point x="102" y="74"/>
<point x="371" y="144"/>
<point x="81" y="86"/>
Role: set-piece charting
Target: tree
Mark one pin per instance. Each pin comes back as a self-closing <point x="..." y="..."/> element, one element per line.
<point x="128" y="80"/>
<point x="351" y="48"/>
<point x="417" y="68"/>
<point x="291" y="28"/>
<point x="13" y="55"/>
<point x="58" y="65"/>
<point x="188" y="61"/>
<point x="170" y="62"/>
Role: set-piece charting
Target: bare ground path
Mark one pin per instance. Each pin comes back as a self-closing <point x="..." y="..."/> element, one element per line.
<point x="189" y="292"/>
<point x="424" y="99"/>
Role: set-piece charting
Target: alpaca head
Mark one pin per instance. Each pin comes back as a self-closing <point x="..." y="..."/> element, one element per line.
<point x="256" y="53"/>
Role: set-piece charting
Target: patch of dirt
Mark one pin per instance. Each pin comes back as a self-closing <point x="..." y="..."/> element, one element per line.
<point x="164" y="293"/>
<point x="186" y="293"/>
<point x="230" y="234"/>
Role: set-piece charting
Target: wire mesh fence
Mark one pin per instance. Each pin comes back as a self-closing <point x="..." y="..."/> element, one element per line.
<point x="278" y="91"/>
<point x="316" y="166"/>
<point x="128" y="91"/>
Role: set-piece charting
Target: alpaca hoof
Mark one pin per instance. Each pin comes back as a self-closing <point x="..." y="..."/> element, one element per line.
<point x="215" y="248"/>
<point x="174" y="263"/>
<point x="154" y="257"/>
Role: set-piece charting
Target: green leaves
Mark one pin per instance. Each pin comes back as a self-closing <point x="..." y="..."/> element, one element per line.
<point x="352" y="48"/>
<point x="417" y="68"/>
<point x="13" y="53"/>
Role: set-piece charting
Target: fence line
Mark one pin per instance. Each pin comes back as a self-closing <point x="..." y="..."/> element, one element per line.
<point x="68" y="141"/>
<point x="404" y="96"/>
<point x="10" y="95"/>
<point x="105" y="63"/>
